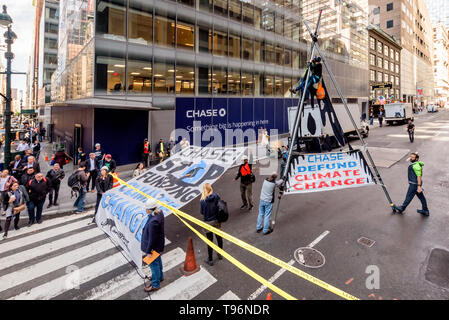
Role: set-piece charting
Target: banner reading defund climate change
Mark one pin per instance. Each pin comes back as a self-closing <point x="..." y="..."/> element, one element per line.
<point x="329" y="171"/>
<point x="176" y="181"/>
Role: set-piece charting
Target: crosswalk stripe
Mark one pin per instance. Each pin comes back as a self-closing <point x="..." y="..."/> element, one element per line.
<point x="48" y="248"/>
<point x="229" y="296"/>
<point x="33" y="238"/>
<point x="45" y="267"/>
<point x="129" y="281"/>
<point x="185" y="288"/>
<point x="70" y="281"/>
<point x="54" y="222"/>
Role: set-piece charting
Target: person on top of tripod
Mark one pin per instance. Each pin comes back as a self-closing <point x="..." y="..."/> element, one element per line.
<point x="316" y="73"/>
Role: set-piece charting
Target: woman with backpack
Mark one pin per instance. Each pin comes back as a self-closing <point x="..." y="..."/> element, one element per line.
<point x="13" y="204"/>
<point x="103" y="183"/>
<point x="209" y="210"/>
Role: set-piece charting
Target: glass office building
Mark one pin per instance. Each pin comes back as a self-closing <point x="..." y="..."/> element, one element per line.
<point x="144" y="58"/>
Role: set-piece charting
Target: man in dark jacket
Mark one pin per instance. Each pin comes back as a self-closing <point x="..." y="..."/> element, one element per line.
<point x="110" y="163"/>
<point x="146" y="152"/>
<point x="15" y="167"/>
<point x="246" y="190"/>
<point x="32" y="163"/>
<point x="82" y="178"/>
<point x="153" y="239"/>
<point x="104" y="182"/>
<point x="161" y="149"/>
<point x="92" y="168"/>
<point x="37" y="189"/>
<point x="27" y="176"/>
<point x="54" y="178"/>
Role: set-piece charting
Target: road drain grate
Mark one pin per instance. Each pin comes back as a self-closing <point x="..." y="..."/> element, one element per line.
<point x="366" y="242"/>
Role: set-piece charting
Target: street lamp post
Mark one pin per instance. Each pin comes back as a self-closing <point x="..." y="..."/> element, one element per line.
<point x="10" y="36"/>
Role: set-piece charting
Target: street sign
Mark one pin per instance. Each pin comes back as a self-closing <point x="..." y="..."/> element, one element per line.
<point x="28" y="111"/>
<point x="383" y="85"/>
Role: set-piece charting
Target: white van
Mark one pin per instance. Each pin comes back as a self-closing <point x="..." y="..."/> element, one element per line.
<point x="398" y="112"/>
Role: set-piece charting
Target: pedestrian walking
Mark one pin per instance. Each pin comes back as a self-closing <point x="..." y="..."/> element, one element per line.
<point x="381" y="116"/>
<point x="15" y="167"/>
<point x="209" y="210"/>
<point x="54" y="177"/>
<point x="247" y="178"/>
<point x="61" y="158"/>
<point x="27" y="176"/>
<point x="99" y="154"/>
<point x="22" y="146"/>
<point x="82" y="177"/>
<point x="153" y="240"/>
<point x="371" y="116"/>
<point x="38" y="188"/>
<point x="13" y="203"/>
<point x="104" y="182"/>
<point x="415" y="186"/>
<point x="92" y="165"/>
<point x="146" y="152"/>
<point x="411" y="130"/>
<point x="81" y="156"/>
<point x="36" y="148"/>
<point x="266" y="203"/>
<point x="110" y="163"/>
<point x="139" y="170"/>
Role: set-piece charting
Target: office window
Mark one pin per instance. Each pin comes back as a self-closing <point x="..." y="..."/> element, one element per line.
<point x="219" y="83"/>
<point x="380" y="76"/>
<point x="247" y="49"/>
<point x="51" y="43"/>
<point x="391" y="66"/>
<point x="221" y="7"/>
<point x="220" y="43"/>
<point x="164" y="31"/>
<point x="235" y="10"/>
<point x="268" y="20"/>
<point x="379" y="47"/>
<point x="257" y="51"/>
<point x="164" y="77"/>
<point x="386" y="77"/>
<point x="269" y="54"/>
<point x="110" y="72"/>
<point x="205" y="39"/>
<point x="51" y="28"/>
<point x="51" y="13"/>
<point x="397" y="94"/>
<point x="185" y="79"/>
<point x="390" y="24"/>
<point x="268" y="85"/>
<point x="386" y="65"/>
<point x="234" y="46"/>
<point x="204" y="79"/>
<point x="188" y="2"/>
<point x="234" y="82"/>
<point x="279" y="24"/>
<point x="247" y="84"/>
<point x="185" y="35"/>
<point x="140" y="22"/>
<point x="206" y="5"/>
<point x="139" y="76"/>
<point x="372" y="43"/>
<point x="397" y="68"/>
<point x="386" y="50"/>
<point x="50" y="59"/>
<point x="287" y="86"/>
<point x="279" y="52"/>
<point x="397" y="81"/>
<point x="372" y="59"/>
<point x="287" y="58"/>
<point x="397" y="56"/>
<point x="372" y="76"/>
<point x="389" y="6"/>
<point x="379" y="62"/>
<point x="248" y="13"/>
<point x="111" y="19"/>
<point x="391" y="53"/>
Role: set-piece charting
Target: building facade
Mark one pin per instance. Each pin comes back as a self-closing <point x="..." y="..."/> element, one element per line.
<point x="384" y="65"/>
<point x="441" y="63"/>
<point x="409" y="22"/>
<point x="438" y="11"/>
<point x="146" y="66"/>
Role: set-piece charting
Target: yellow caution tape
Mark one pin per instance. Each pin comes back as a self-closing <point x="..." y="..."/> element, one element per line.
<point x="250" y="248"/>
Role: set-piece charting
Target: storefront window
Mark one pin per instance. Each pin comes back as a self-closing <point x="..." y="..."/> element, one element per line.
<point x="220" y="43"/>
<point x="111" y="19"/>
<point x="164" y="31"/>
<point x="234" y="82"/>
<point x="164" y="74"/>
<point x="140" y="22"/>
<point x="235" y="10"/>
<point x="185" y="35"/>
<point x="247" y="84"/>
<point x="139" y="77"/>
<point x="185" y="80"/>
<point x="234" y="46"/>
<point x="219" y="83"/>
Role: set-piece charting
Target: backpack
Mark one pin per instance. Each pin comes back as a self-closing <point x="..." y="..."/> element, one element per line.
<point x="74" y="183"/>
<point x="222" y="211"/>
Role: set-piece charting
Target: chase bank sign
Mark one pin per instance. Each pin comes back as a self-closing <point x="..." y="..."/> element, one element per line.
<point x="206" y="113"/>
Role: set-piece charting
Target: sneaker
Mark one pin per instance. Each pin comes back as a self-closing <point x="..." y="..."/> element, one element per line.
<point x="243" y="207"/>
<point x="258" y="230"/>
<point x="39" y="221"/>
<point x="16" y="227"/>
<point x="219" y="257"/>
<point x="150" y="288"/>
<point x="250" y="207"/>
<point x="397" y="209"/>
<point x="424" y="212"/>
<point x="5" y="236"/>
<point x="209" y="262"/>
<point x="30" y="223"/>
<point x="268" y="232"/>
<point x="49" y="205"/>
<point x="55" y="204"/>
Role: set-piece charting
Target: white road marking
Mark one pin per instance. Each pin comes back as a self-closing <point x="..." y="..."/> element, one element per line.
<point x="229" y="296"/>
<point x="281" y="271"/>
<point x="58" y="286"/>
<point x="185" y="288"/>
<point x="45" y="267"/>
<point x="129" y="281"/>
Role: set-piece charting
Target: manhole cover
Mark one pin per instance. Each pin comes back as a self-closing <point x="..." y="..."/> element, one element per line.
<point x="309" y="257"/>
<point x="366" y="242"/>
<point x="436" y="271"/>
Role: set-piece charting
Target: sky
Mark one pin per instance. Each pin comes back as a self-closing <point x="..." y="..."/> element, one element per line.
<point x="22" y="13"/>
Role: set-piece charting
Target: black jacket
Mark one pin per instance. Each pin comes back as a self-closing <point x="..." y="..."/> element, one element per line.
<point x="247" y="178"/>
<point x="158" y="147"/>
<point x="54" y="178"/>
<point x="104" y="185"/>
<point x="96" y="161"/>
<point x="112" y="165"/>
<point x="36" y="167"/>
<point x="153" y="236"/>
<point x="209" y="207"/>
<point x="25" y="178"/>
<point x="38" y="190"/>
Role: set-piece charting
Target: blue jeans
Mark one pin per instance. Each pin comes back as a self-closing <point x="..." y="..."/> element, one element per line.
<point x="265" y="209"/>
<point x="35" y="210"/>
<point x="79" y="202"/>
<point x="411" y="193"/>
<point x="156" y="272"/>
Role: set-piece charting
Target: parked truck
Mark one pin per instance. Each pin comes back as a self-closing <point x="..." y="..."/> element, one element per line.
<point x="398" y="112"/>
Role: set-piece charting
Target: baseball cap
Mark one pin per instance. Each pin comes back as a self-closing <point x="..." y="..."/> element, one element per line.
<point x="151" y="204"/>
<point x="108" y="156"/>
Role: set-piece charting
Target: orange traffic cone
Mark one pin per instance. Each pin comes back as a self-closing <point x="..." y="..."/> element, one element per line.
<point x="115" y="181"/>
<point x="190" y="266"/>
<point x="269" y="296"/>
<point x="46" y="156"/>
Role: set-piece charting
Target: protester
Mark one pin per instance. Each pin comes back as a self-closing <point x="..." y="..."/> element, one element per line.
<point x="27" y="176"/>
<point x="139" y="170"/>
<point x="284" y="160"/>
<point x="32" y="163"/>
<point x="61" y="158"/>
<point x="38" y="188"/>
<point x="81" y="156"/>
<point x="171" y="146"/>
<point x="99" y="154"/>
<point x="13" y="204"/>
<point x="36" y="147"/>
<point x="54" y="177"/>
<point x="411" y="130"/>
<point x="15" y="167"/>
<point x="246" y="180"/>
<point x="209" y="210"/>
<point x="22" y="146"/>
<point x="82" y="177"/>
<point x="146" y="152"/>
<point x="92" y="165"/>
<point x="161" y="149"/>
<point x="415" y="186"/>
<point x="153" y="239"/>
<point x="381" y="116"/>
<point x="104" y="183"/>
<point x="266" y="203"/>
<point x="316" y="74"/>
<point x="110" y="163"/>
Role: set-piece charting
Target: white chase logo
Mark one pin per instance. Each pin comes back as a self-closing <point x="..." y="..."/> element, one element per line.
<point x="206" y="113"/>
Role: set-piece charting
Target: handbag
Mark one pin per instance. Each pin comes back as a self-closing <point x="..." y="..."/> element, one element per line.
<point x="19" y="209"/>
<point x="253" y="178"/>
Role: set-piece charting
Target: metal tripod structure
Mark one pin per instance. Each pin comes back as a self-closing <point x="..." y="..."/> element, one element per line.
<point x="315" y="46"/>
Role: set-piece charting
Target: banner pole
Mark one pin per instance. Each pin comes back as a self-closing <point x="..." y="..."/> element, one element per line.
<point x="295" y="127"/>
<point x="390" y="202"/>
